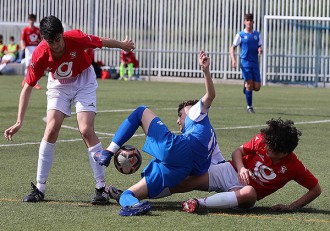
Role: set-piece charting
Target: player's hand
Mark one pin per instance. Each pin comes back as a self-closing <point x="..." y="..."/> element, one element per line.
<point x="204" y="61"/>
<point x="128" y="44"/>
<point x="260" y="50"/>
<point x="8" y="134"/>
<point x="233" y="64"/>
<point x="282" y="208"/>
<point x="103" y="157"/>
<point x="244" y="176"/>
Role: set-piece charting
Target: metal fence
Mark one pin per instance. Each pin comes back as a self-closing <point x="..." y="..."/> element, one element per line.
<point x="168" y="33"/>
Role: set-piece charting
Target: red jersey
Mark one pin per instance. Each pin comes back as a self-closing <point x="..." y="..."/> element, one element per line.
<point x="129" y="58"/>
<point x="74" y="61"/>
<point x="31" y="36"/>
<point x="268" y="177"/>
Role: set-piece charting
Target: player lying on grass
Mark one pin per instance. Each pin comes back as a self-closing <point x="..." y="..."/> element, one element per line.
<point x="175" y="156"/>
<point x="258" y="168"/>
<point x="71" y="80"/>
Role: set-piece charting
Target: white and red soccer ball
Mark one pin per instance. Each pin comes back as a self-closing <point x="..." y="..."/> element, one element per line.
<point x="127" y="159"/>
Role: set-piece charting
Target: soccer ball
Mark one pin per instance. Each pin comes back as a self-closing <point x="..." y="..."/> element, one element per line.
<point x="128" y="159"/>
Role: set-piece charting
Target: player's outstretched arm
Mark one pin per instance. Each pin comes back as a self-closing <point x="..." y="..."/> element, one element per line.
<point x="209" y="96"/>
<point x="22" y="107"/>
<point x="308" y="197"/>
<point x="126" y="45"/>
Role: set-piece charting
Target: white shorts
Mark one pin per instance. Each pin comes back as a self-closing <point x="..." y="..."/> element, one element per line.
<point x="28" y="54"/>
<point x="223" y="178"/>
<point x="80" y="90"/>
<point x="9" y="57"/>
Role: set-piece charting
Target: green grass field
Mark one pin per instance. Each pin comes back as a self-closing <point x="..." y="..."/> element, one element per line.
<point x="70" y="185"/>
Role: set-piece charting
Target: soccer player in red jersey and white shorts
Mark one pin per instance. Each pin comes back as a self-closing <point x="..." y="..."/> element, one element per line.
<point x="258" y="168"/>
<point x="29" y="42"/>
<point x="71" y="79"/>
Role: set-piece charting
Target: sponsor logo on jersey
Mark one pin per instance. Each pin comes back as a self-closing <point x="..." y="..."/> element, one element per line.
<point x="63" y="71"/>
<point x="245" y="36"/>
<point x="33" y="37"/>
<point x="263" y="172"/>
<point x="73" y="54"/>
<point x="255" y="37"/>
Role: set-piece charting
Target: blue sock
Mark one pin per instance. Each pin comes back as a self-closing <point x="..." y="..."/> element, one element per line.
<point x="248" y="96"/>
<point x="128" y="198"/>
<point x="127" y="129"/>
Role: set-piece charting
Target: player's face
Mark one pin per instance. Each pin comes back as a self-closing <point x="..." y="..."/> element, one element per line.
<point x="182" y="117"/>
<point x="248" y="24"/>
<point x="275" y="156"/>
<point x="57" y="45"/>
<point x="31" y="22"/>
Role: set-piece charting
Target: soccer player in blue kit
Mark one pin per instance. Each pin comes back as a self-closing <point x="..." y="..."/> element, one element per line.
<point x="250" y="42"/>
<point x="175" y="156"/>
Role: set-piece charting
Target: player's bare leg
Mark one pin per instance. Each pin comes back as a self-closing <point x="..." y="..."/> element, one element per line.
<point x="85" y="122"/>
<point x="256" y="86"/>
<point x="46" y="154"/>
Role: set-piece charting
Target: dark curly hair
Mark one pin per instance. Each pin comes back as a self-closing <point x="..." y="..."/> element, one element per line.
<point x="186" y="103"/>
<point x="281" y="136"/>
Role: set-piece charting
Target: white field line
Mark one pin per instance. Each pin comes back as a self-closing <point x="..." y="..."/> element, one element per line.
<point x="141" y="134"/>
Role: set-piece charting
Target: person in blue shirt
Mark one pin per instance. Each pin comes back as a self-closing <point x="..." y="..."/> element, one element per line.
<point x="250" y="43"/>
<point x="176" y="156"/>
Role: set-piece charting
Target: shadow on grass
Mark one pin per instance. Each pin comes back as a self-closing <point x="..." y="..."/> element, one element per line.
<point x="176" y="206"/>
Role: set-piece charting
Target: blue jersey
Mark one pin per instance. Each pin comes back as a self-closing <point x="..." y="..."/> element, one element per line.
<point x="201" y="136"/>
<point x="249" y="43"/>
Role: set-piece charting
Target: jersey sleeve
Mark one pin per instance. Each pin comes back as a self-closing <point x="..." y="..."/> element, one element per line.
<point x="195" y="112"/>
<point x="237" y="40"/>
<point x="303" y="176"/>
<point x="86" y="40"/>
<point x="251" y="147"/>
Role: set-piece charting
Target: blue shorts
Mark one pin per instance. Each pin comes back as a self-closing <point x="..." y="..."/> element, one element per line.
<point x="173" y="158"/>
<point x="251" y="73"/>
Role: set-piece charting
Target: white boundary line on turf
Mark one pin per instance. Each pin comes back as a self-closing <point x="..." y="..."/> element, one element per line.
<point x="137" y="135"/>
<point x="130" y="110"/>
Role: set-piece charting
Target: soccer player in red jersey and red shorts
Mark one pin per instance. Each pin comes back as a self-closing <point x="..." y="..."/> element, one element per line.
<point x="29" y="42"/>
<point x="71" y="80"/>
<point x="258" y="168"/>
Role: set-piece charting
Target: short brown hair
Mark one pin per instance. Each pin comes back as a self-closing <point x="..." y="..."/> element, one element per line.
<point x="186" y="103"/>
<point x="248" y="17"/>
<point x="32" y="17"/>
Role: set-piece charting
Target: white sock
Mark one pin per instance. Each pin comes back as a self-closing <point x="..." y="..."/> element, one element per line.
<point x="113" y="147"/>
<point x="222" y="200"/>
<point x="98" y="170"/>
<point x="45" y="160"/>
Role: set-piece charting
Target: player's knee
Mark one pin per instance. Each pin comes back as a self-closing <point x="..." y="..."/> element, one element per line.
<point x="51" y="134"/>
<point x="86" y="132"/>
<point x="256" y="88"/>
<point x="246" y="197"/>
<point x="139" y="112"/>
